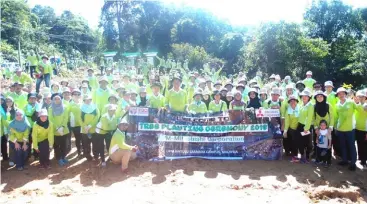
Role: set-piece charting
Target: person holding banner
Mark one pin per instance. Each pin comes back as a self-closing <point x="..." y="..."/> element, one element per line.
<point x="156" y="99"/>
<point x="88" y="120"/>
<point x="263" y="97"/>
<point x="59" y="117"/>
<point x="291" y="136"/>
<point x="197" y="106"/>
<point x="306" y="115"/>
<point x="237" y="103"/>
<point x="254" y="99"/>
<point x="104" y="130"/>
<point x="120" y="152"/>
<point x="176" y="98"/>
<point x="217" y="105"/>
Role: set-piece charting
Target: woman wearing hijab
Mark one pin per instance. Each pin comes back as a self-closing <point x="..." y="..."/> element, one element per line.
<point x="217" y="105"/>
<point x="59" y="117"/>
<point x="306" y="114"/>
<point x="88" y="120"/>
<point x="291" y="136"/>
<point x="237" y="103"/>
<point x="254" y="99"/>
<point x="43" y="138"/>
<point x="19" y="131"/>
<point x="323" y="111"/>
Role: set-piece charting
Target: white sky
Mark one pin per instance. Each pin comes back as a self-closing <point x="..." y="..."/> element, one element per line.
<point x="237" y="12"/>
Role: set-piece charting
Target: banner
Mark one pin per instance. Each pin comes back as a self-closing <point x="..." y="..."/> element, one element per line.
<point x="138" y="111"/>
<point x="232" y="135"/>
<point x="270" y="113"/>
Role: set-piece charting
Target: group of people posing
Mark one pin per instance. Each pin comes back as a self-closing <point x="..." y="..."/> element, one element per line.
<point x="94" y="109"/>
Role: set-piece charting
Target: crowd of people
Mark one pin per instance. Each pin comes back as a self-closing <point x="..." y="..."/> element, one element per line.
<point x="315" y="120"/>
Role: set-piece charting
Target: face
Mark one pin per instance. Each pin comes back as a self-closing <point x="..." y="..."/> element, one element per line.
<point x="320" y="98"/>
<point x="209" y="83"/>
<point x="263" y="96"/>
<point x="44" y="60"/>
<point x="125" y="79"/>
<point x="18" y="73"/>
<point x="127" y="97"/>
<point x="197" y="97"/>
<point x="143" y="94"/>
<point x="111" y="112"/>
<point x="217" y="87"/>
<point x="289" y="92"/>
<point x="229" y="98"/>
<point x="240" y="89"/>
<point x="217" y="97"/>
<point x="55" y="88"/>
<point x="155" y="89"/>
<point x="112" y="100"/>
<point x="274" y="97"/>
<point x="317" y="87"/>
<point x="206" y="97"/>
<point x="32" y="100"/>
<point x="123" y="126"/>
<point x="90" y="73"/>
<point x="57" y="100"/>
<point x="176" y="83"/>
<point x="341" y="95"/>
<point x="252" y="95"/>
<point x="18" y="89"/>
<point x="88" y="101"/>
<point x="272" y="80"/>
<point x="103" y="84"/>
<point x="9" y="103"/>
<point x="76" y="96"/>
<point x="322" y="126"/>
<point x="286" y="81"/>
<point x="308" y="76"/>
<point x="238" y="97"/>
<point x="329" y="88"/>
<point x="202" y="85"/>
<point x="133" y="97"/>
<point x="66" y="95"/>
<point x="47" y="100"/>
<point x="224" y="93"/>
<point x="43" y="118"/>
<point x="228" y="87"/>
<point x="305" y="99"/>
<point x="362" y="99"/>
<point x="293" y="103"/>
<point x="18" y="116"/>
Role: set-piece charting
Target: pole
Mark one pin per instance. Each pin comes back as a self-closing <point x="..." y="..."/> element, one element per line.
<point x="19" y="61"/>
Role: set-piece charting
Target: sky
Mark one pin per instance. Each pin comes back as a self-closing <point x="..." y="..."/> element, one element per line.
<point x="236" y="12"/>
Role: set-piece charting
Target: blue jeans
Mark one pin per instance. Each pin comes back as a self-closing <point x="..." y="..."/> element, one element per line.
<point x="20" y="156"/>
<point x="347" y="142"/>
<point x="46" y="78"/>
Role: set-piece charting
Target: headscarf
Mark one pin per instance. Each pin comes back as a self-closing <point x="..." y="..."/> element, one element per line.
<point x="5" y="107"/>
<point x="236" y="102"/>
<point x="57" y="109"/>
<point x="42" y="124"/>
<point x="19" y="126"/>
<point x="88" y="108"/>
<point x="321" y="108"/>
<point x="143" y="101"/>
<point x="254" y="102"/>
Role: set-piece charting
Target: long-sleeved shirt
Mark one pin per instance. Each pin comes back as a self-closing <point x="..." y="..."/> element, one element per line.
<point x="176" y="100"/>
<point x="198" y="107"/>
<point x="23" y="78"/>
<point x="40" y="134"/>
<point x="217" y="107"/>
<point x="156" y="101"/>
<point x="59" y="122"/>
<point x="20" y="100"/>
<point x="291" y="119"/>
<point x="29" y="110"/>
<point x="100" y="97"/>
<point x="361" y="118"/>
<point x="306" y="114"/>
<point x="33" y="60"/>
<point x="90" y="120"/>
<point x="107" y="124"/>
<point x="118" y="142"/>
<point x="74" y="114"/>
<point x="47" y="68"/>
<point x="344" y="115"/>
<point x="16" y="136"/>
<point x="329" y="118"/>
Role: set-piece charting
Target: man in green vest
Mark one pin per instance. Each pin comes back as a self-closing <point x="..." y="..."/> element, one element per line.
<point x="33" y="62"/>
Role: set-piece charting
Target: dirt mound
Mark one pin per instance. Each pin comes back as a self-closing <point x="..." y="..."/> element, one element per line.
<point x="328" y="193"/>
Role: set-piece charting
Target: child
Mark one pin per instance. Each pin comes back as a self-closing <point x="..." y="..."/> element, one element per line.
<point x="323" y="145"/>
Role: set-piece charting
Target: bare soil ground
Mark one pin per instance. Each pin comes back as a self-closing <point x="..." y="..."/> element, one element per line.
<point x="183" y="181"/>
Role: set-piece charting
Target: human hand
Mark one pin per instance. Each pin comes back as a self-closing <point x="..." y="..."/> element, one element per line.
<point x="25" y="147"/>
<point x="134" y="149"/>
<point x="17" y="146"/>
<point x="37" y="150"/>
<point x="285" y="135"/>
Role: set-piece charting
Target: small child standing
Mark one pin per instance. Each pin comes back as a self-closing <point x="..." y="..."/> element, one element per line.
<point x="323" y="145"/>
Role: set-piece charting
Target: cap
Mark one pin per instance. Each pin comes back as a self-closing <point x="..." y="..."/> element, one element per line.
<point x="198" y="92"/>
<point x="18" y="84"/>
<point x="133" y="91"/>
<point x="252" y="90"/>
<point x="287" y="78"/>
<point x="87" y="97"/>
<point x="275" y="91"/>
<point x="156" y="83"/>
<point x="64" y="80"/>
<point x="305" y="93"/>
<point x="42" y="112"/>
<point x="218" y="83"/>
<point x="123" y="121"/>
<point x="32" y="95"/>
<point x="230" y="94"/>
<point x="216" y="92"/>
<point x="300" y="82"/>
<point x="289" y="86"/>
<point x="66" y="89"/>
<point x="292" y="97"/>
<point x="308" y="73"/>
<point x="328" y="83"/>
<point x="140" y="77"/>
<point x="224" y="89"/>
<point x="75" y="91"/>
<point x="361" y="93"/>
<point x="84" y="85"/>
<point x="111" y="107"/>
<point x="243" y="79"/>
<point x="103" y="78"/>
<point x="228" y="83"/>
<point x="113" y="96"/>
<point x="341" y="89"/>
<point x="240" y="85"/>
<point x="18" y="69"/>
<point x="237" y="92"/>
<point x="56" y="95"/>
<point x="319" y="93"/>
<point x="45" y="56"/>
<point x="143" y="89"/>
<point x="263" y="91"/>
<point x="272" y="76"/>
<point x="252" y="81"/>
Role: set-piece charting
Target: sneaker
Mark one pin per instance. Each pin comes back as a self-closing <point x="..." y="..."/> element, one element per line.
<point x="20" y="168"/>
<point x="103" y="164"/>
<point x="65" y="161"/>
<point x="61" y="162"/>
<point x="343" y="163"/>
<point x="295" y="160"/>
<point x="11" y="163"/>
<point x="364" y="167"/>
<point x="352" y="167"/>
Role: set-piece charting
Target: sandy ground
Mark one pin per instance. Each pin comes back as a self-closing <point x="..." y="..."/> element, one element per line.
<point x="183" y="181"/>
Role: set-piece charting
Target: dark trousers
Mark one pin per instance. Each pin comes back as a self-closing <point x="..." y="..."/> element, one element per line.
<point x="4" y="147"/>
<point x="46" y="78"/>
<point x="326" y="158"/>
<point x="32" y="69"/>
<point x="287" y="143"/>
<point x="60" y="147"/>
<point x="362" y="145"/>
<point x="86" y="142"/>
<point x="102" y="70"/>
<point x="78" y="138"/>
<point x="292" y="135"/>
<point x="20" y="155"/>
<point x="304" y="142"/>
<point x="347" y="145"/>
<point x="98" y="146"/>
<point x="35" y="154"/>
<point x="44" y="152"/>
<point x="336" y="143"/>
<point x="107" y="140"/>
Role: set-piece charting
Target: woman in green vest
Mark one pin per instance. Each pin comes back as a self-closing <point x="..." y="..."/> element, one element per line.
<point x="59" y="117"/>
<point x="291" y="135"/>
<point x="43" y="138"/>
<point x="75" y="115"/>
<point x="361" y="126"/>
<point x="217" y="105"/>
<point x="197" y="106"/>
<point x="31" y="116"/>
<point x="306" y="115"/>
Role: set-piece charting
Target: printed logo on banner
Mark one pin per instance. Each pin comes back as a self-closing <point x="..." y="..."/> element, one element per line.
<point x="138" y="111"/>
<point x="265" y="113"/>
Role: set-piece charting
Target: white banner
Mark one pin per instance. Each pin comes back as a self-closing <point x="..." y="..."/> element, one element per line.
<point x="265" y="113"/>
<point x="138" y="111"/>
<point x="167" y="138"/>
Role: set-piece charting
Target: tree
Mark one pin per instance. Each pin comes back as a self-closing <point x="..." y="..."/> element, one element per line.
<point x="46" y="15"/>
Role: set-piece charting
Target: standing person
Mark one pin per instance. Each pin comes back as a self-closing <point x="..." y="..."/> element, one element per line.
<point x="156" y="99"/>
<point x="217" y="105"/>
<point x="75" y="115"/>
<point x="291" y="135"/>
<point x="309" y="81"/>
<point x="176" y="98"/>
<point x="119" y="151"/>
<point x="102" y="66"/>
<point x="33" y="63"/>
<point x="88" y="120"/>
<point x="197" y="106"/>
<point x="323" y="141"/>
<point x="306" y="114"/>
<point x="345" y="109"/>
<point x="237" y="103"/>
<point x="332" y="100"/>
<point x="361" y="127"/>
<point x="19" y="96"/>
<point x="7" y="116"/>
<point x="254" y="101"/>
<point x="322" y="111"/>
<point x="100" y="95"/>
<point x="44" y="72"/>
<point x="31" y="117"/>
<point x="107" y="124"/>
<point x="92" y="80"/>
<point x="59" y="117"/>
<point x="18" y="139"/>
<point x="43" y="138"/>
<point x="21" y="77"/>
